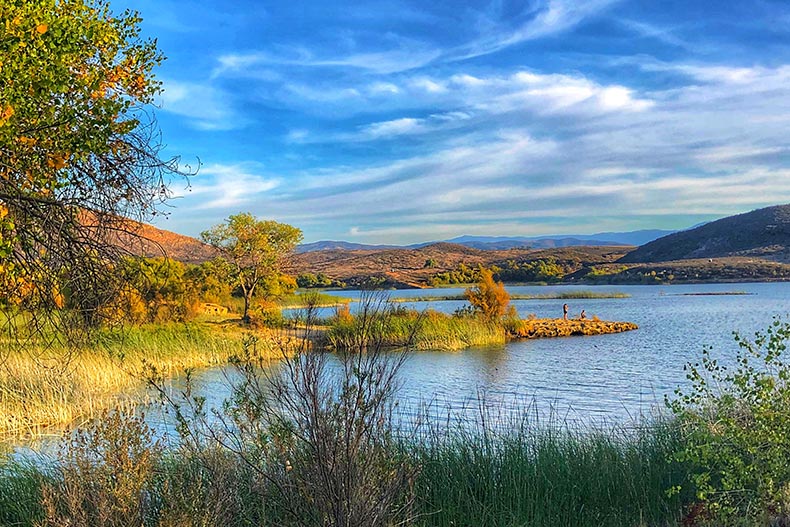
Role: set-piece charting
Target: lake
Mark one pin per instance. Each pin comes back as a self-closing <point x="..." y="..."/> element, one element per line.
<point x="606" y="378"/>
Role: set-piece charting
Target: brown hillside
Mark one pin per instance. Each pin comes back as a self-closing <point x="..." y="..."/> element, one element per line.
<point x="762" y="233"/>
<point x="147" y="240"/>
<point x="407" y="267"/>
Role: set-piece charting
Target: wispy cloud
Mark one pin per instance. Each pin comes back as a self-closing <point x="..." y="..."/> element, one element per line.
<point x="204" y="106"/>
<point x="550" y="18"/>
<point x="380" y="62"/>
<point x="226" y="186"/>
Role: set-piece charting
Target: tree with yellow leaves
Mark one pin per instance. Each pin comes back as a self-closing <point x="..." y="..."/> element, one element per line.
<point x="488" y="297"/>
<point x="79" y="151"/>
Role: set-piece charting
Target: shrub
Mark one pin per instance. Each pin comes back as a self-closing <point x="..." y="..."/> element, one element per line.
<point x="736" y="424"/>
<point x="104" y="475"/>
<point x="489" y="298"/>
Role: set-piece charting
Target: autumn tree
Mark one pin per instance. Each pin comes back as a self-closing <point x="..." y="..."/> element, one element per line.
<point x="79" y="153"/>
<point x="488" y="297"/>
<point x="254" y="249"/>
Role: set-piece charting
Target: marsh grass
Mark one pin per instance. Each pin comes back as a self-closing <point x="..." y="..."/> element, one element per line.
<point x="313" y="298"/>
<point x="39" y="391"/>
<point x="536" y="474"/>
<point x="426" y="330"/>
<point x="548" y="476"/>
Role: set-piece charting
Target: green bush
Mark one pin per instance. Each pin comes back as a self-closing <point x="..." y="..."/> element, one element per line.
<point x="737" y="432"/>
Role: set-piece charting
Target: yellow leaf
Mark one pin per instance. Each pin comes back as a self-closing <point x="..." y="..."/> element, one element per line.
<point x="7" y="112"/>
<point x="58" y="161"/>
<point x="41" y="29"/>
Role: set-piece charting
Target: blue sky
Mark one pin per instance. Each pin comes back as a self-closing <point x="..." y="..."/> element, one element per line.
<point x="400" y="121"/>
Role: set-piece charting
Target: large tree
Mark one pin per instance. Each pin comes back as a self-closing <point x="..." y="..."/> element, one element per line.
<point x="254" y="248"/>
<point x="79" y="153"/>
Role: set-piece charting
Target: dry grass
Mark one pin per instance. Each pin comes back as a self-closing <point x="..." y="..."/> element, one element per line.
<point x="38" y="391"/>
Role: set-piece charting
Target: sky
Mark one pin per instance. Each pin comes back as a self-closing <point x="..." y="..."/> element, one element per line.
<point x="395" y="121"/>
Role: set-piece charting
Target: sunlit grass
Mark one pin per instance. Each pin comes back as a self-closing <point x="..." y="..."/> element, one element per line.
<point x="428" y="330"/>
<point x="44" y="388"/>
<point x="548" y="476"/>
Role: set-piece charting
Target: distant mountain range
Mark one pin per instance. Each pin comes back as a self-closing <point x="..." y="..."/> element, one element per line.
<point x="762" y="233"/>
<point x="498" y="243"/>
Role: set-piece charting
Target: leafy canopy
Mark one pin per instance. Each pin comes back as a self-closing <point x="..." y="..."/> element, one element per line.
<point x="254" y="248"/>
<point x="78" y="151"/>
<point x="736" y="424"/>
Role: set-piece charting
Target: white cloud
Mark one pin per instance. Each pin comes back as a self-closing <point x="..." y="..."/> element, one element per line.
<point x="428" y="85"/>
<point x="411" y="55"/>
<point x="550" y="18"/>
<point x="204" y="106"/>
<point x="226" y="186"/>
<point x="406" y="125"/>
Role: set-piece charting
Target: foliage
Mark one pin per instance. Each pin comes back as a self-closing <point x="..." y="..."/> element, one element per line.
<point x="78" y="153"/>
<point x="462" y="275"/>
<point x="210" y="281"/>
<point x="543" y="270"/>
<point x="254" y="249"/>
<point x="310" y="280"/>
<point x="161" y="285"/>
<point x="103" y="474"/>
<point x="736" y="423"/>
<point x="489" y="298"/>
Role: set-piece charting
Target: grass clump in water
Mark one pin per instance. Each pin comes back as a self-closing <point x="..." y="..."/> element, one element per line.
<point x="426" y="330"/>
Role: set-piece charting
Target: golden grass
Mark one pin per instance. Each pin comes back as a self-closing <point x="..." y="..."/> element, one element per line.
<point x="40" y="390"/>
<point x="553" y="327"/>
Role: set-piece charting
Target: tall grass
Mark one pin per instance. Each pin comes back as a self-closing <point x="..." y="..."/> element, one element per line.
<point x="38" y="390"/>
<point x="534" y="475"/>
<point x="548" y="476"/>
<point x="314" y="298"/>
<point x="427" y="330"/>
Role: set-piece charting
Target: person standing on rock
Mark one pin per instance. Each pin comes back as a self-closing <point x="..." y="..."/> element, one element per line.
<point x="564" y="311"/>
<point x="583" y="315"/>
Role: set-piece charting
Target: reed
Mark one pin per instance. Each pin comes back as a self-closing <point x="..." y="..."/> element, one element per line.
<point x="40" y="390"/>
<point x="427" y="330"/>
<point x="549" y="476"/>
<point x="535" y="474"/>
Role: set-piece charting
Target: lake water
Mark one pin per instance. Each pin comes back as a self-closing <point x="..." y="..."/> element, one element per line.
<point x="606" y="378"/>
<point x="603" y="379"/>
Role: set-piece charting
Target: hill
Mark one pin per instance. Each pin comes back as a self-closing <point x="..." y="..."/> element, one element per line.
<point x="330" y="245"/>
<point x="146" y="240"/>
<point x="404" y="267"/>
<point x="762" y="233"/>
<point x="498" y="243"/>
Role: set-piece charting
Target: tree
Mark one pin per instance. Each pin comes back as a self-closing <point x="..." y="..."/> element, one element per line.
<point x="79" y="153"/>
<point x="488" y="297"/>
<point x="254" y="248"/>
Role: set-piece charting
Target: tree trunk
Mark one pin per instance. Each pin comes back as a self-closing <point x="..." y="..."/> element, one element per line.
<point x="245" y="317"/>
